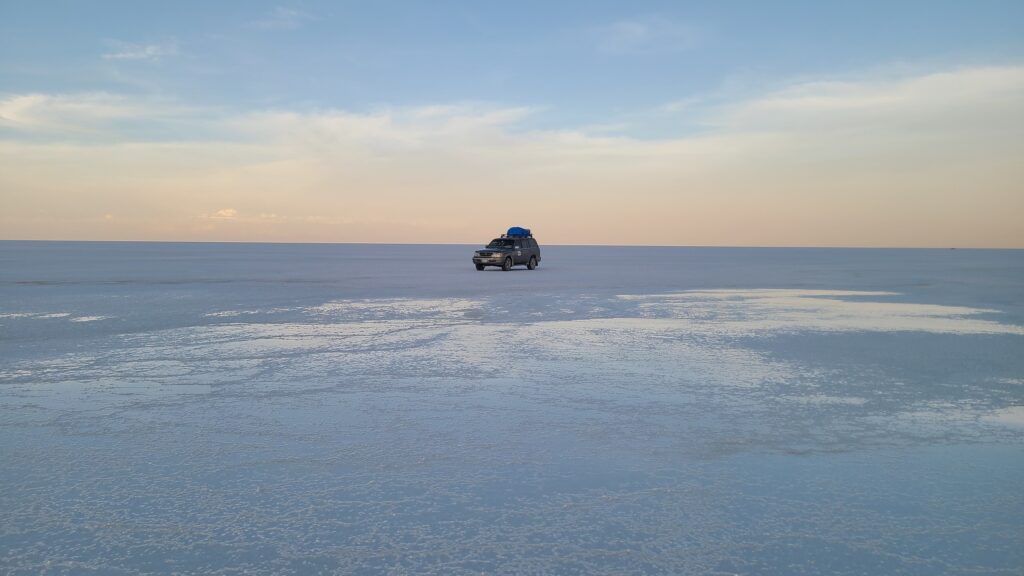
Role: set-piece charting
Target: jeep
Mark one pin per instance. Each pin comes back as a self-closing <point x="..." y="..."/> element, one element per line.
<point x="512" y="249"/>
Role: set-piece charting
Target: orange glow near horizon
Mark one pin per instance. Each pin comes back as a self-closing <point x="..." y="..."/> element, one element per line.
<point x="925" y="161"/>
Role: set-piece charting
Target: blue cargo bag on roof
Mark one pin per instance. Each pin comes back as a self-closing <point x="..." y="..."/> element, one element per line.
<point x="517" y="232"/>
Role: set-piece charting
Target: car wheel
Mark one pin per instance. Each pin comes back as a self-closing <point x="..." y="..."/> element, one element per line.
<point x="532" y="264"/>
<point x="507" y="265"/>
<point x="479" y="266"/>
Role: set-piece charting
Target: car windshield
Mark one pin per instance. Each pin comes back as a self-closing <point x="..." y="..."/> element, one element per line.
<point x="501" y="243"/>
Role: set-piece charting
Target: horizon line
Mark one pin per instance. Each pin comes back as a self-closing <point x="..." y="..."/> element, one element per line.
<point x="581" y="245"/>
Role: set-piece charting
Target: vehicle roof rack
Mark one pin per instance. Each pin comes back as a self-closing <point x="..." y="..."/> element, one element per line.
<point x="517" y="232"/>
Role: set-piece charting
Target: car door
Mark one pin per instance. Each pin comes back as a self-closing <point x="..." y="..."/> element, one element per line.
<point x="529" y="249"/>
<point x="517" y="257"/>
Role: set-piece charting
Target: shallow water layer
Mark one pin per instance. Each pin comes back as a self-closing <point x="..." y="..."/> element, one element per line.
<point x="215" y="408"/>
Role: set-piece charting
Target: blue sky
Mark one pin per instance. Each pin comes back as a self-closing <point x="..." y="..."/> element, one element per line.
<point x="581" y="62"/>
<point x="667" y="103"/>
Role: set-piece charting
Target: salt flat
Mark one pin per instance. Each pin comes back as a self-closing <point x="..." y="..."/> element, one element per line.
<point x="299" y="409"/>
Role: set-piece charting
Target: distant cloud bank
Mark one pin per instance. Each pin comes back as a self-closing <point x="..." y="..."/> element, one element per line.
<point x="646" y="34"/>
<point x="928" y="159"/>
<point x="131" y="51"/>
<point x="282" y="18"/>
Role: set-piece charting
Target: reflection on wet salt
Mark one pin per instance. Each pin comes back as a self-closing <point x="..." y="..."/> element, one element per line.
<point x="52" y="315"/>
<point x="691" y="338"/>
<point x="622" y="422"/>
<point x="645" y="350"/>
<point x="258" y="409"/>
<point x="825" y="399"/>
<point x="718" y="394"/>
<point x="737" y="312"/>
<point x="397" y="308"/>
<point x="234" y="313"/>
<point x="227" y="313"/>
<point x="1011" y="416"/>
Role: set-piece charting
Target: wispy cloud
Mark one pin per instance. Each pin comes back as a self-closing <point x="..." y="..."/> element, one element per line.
<point x="233" y="218"/>
<point x="96" y="114"/>
<point x="282" y="18"/>
<point x="73" y="113"/>
<point x="387" y="129"/>
<point x="225" y="214"/>
<point x="133" y="51"/>
<point x="648" y="34"/>
<point x="968" y="99"/>
<point x="681" y="104"/>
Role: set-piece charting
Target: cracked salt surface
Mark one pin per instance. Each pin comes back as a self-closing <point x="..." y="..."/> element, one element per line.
<point x="342" y="409"/>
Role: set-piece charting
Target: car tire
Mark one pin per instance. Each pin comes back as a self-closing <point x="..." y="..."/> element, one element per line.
<point x="507" y="265"/>
<point x="479" y="266"/>
<point x="532" y="264"/>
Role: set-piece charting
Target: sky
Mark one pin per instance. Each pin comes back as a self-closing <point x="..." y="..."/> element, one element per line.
<point x="895" y="123"/>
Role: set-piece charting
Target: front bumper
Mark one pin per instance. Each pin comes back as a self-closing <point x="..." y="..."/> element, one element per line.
<point x="489" y="260"/>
